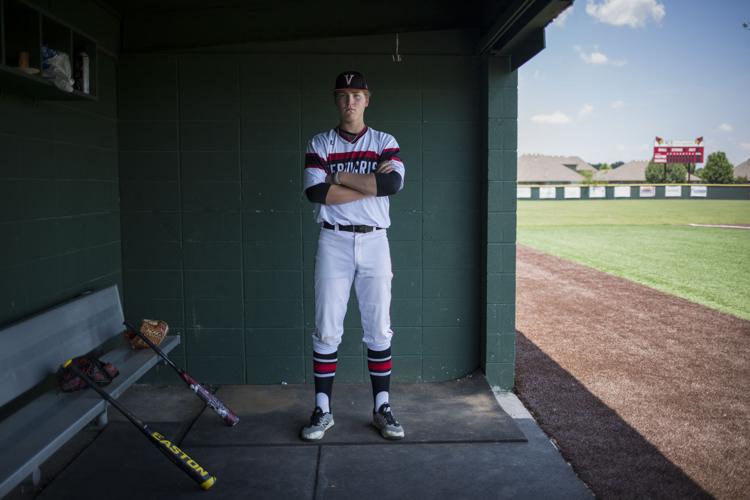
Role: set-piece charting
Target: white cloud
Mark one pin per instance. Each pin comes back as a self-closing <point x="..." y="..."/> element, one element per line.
<point x="556" y="118"/>
<point x="643" y="147"/>
<point x="597" y="57"/>
<point x="617" y="104"/>
<point x="585" y="111"/>
<point x="560" y="19"/>
<point x="745" y="146"/>
<point x="620" y="147"/>
<point x="633" y="13"/>
<point x="725" y="127"/>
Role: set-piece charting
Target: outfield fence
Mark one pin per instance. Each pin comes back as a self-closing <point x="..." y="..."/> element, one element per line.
<point x="634" y="191"/>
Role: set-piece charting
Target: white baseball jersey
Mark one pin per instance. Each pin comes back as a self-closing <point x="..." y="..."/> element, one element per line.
<point x="329" y="152"/>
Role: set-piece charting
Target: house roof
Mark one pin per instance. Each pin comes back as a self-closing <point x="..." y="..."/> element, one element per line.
<point x="743" y="169"/>
<point x="577" y="163"/>
<point x="542" y="168"/>
<point x="633" y="171"/>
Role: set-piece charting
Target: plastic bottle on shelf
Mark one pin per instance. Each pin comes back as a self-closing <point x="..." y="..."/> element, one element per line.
<point x="82" y="73"/>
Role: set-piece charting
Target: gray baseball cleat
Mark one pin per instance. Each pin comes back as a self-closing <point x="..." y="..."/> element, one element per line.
<point x="319" y="423"/>
<point x="386" y="423"/>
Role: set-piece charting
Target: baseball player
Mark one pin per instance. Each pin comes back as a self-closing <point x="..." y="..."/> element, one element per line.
<point x="350" y="171"/>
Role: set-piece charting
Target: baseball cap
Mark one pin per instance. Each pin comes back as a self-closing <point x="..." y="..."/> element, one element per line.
<point x="351" y="80"/>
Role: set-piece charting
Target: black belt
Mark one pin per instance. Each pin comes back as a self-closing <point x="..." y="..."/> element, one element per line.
<point x="352" y="229"/>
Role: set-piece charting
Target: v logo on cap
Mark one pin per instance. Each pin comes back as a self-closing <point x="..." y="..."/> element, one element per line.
<point x="350" y="80"/>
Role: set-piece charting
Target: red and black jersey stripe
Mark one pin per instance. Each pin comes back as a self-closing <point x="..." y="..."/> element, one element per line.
<point x="389" y="154"/>
<point x="312" y="160"/>
<point x="352" y="156"/>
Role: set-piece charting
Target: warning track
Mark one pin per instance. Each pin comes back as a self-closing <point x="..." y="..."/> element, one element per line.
<point x="645" y="393"/>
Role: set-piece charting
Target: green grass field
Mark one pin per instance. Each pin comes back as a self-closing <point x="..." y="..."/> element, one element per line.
<point x="650" y="242"/>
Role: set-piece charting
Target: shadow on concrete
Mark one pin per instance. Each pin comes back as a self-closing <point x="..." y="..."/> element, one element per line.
<point x="489" y="456"/>
<point x="274" y="415"/>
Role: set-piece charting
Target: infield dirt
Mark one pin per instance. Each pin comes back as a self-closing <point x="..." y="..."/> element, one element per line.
<point x="646" y="394"/>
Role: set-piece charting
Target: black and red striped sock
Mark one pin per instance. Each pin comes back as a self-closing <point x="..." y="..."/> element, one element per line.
<point x="324" y="369"/>
<point x="379" y="363"/>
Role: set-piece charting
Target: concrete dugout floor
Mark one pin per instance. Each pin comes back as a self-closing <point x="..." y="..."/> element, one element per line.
<point x="462" y="441"/>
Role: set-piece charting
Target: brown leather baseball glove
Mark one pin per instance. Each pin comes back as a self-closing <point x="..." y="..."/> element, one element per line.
<point x="153" y="329"/>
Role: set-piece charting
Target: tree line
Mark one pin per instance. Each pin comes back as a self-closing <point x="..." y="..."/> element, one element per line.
<point x="718" y="170"/>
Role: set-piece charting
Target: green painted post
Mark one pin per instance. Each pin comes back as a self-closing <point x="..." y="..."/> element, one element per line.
<point x="500" y="94"/>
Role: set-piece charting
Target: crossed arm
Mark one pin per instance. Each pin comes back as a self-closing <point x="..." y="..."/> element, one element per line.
<point x="384" y="182"/>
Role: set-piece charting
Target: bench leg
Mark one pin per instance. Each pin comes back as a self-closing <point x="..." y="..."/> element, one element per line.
<point x="36" y="477"/>
<point x="33" y="481"/>
<point x="102" y="420"/>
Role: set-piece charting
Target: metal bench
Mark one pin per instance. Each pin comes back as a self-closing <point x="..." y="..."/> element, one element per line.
<point x="31" y="351"/>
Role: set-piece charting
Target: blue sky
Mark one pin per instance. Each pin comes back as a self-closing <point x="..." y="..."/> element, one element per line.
<point x="616" y="73"/>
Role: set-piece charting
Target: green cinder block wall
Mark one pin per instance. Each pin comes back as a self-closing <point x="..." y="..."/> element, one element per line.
<point x="219" y="241"/>
<point x="500" y="137"/>
<point x="59" y="207"/>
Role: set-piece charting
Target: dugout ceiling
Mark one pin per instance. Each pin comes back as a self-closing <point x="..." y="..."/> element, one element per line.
<point x="509" y="27"/>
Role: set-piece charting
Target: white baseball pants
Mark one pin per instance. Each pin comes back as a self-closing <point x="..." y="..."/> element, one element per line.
<point x="365" y="259"/>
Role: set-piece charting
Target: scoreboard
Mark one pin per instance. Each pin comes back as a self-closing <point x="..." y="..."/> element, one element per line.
<point x="678" y="151"/>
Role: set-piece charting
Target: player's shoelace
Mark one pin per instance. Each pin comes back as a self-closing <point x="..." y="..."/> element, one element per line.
<point x="385" y="411"/>
<point x="317" y="417"/>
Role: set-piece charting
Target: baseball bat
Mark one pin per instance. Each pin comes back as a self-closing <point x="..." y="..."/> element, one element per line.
<point x="230" y="418"/>
<point x="170" y="450"/>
